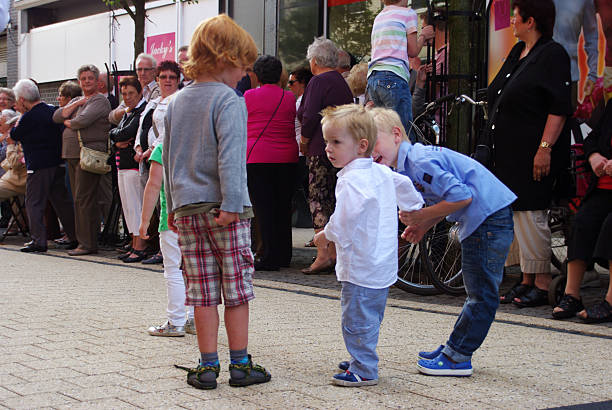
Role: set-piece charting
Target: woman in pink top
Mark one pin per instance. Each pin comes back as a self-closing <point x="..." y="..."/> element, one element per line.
<point x="272" y="155"/>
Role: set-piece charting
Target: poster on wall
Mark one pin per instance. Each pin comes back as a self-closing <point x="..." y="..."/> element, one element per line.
<point x="161" y="46"/>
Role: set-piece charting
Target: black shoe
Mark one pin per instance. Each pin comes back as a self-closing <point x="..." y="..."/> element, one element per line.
<point x="69" y="245"/>
<point x="139" y="256"/>
<point x="154" y="260"/>
<point x="242" y="375"/>
<point x="517" y="291"/>
<point x="534" y="297"/>
<point x="32" y="247"/>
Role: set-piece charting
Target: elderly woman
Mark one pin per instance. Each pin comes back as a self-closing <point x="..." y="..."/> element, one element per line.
<point x="87" y="118"/>
<point x="530" y="140"/>
<point x="128" y="178"/>
<point x="13" y="180"/>
<point x="272" y="155"/>
<point x="591" y="233"/>
<point x="7" y="101"/>
<point x="326" y="88"/>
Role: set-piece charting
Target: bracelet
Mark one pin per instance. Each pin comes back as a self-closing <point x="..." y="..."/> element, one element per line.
<point x="545" y="144"/>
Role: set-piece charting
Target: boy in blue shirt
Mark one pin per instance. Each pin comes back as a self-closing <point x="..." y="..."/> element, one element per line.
<point x="462" y="190"/>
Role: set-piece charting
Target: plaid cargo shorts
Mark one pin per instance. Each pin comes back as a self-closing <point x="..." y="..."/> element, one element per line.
<point x="216" y="258"/>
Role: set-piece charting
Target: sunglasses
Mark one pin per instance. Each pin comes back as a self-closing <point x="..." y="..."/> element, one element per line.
<point x="291" y="82"/>
<point x="168" y="77"/>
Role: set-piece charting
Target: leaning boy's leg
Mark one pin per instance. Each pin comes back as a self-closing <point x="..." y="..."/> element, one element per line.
<point x="483" y="256"/>
<point x="362" y="313"/>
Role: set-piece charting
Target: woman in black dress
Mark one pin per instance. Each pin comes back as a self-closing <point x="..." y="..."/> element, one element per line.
<point x="530" y="140"/>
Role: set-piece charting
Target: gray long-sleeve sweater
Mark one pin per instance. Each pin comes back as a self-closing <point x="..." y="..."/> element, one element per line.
<point x="204" y="148"/>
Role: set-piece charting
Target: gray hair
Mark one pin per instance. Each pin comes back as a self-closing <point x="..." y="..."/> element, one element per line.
<point x="344" y="59"/>
<point x="324" y="52"/>
<point x="27" y="90"/>
<point x="143" y="56"/>
<point x="8" y="114"/>
<point x="9" y="93"/>
<point x="88" y="67"/>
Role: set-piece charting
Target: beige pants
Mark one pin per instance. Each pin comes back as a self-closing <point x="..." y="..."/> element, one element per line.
<point x="531" y="245"/>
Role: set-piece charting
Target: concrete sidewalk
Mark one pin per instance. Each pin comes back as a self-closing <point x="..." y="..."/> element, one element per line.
<point x="73" y="335"/>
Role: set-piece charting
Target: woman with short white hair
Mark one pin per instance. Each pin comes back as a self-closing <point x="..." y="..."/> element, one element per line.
<point x="326" y="88"/>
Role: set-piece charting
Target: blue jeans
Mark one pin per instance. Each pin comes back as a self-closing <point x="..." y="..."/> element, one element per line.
<point x="483" y="255"/>
<point x="389" y="90"/>
<point x="363" y="310"/>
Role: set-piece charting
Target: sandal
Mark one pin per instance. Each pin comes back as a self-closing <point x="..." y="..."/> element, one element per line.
<point x="517" y="291"/>
<point x="598" y="313"/>
<point x="140" y="255"/>
<point x="532" y="298"/>
<point x="570" y="306"/>
<point x="327" y="267"/>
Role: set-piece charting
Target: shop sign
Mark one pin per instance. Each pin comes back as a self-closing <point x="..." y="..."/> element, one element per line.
<point x="161" y="46"/>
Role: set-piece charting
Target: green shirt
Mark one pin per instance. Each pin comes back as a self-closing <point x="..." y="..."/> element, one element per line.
<point x="156" y="156"/>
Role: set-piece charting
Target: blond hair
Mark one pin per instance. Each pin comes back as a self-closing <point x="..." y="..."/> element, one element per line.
<point x="386" y="119"/>
<point x="355" y="119"/>
<point x="218" y="42"/>
<point x="358" y="79"/>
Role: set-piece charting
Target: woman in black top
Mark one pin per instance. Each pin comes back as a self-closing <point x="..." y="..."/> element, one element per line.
<point x="128" y="179"/>
<point x="591" y="233"/>
<point x="530" y="140"/>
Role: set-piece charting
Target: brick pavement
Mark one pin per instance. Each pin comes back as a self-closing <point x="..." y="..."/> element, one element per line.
<point x="73" y="335"/>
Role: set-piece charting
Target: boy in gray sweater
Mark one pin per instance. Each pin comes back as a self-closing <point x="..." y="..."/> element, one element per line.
<point x="204" y="156"/>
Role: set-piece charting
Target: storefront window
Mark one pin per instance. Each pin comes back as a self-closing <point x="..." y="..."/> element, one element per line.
<point x="250" y="15"/>
<point x="350" y="24"/>
<point x="299" y="23"/>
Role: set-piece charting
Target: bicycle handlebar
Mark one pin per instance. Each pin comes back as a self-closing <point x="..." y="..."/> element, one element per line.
<point x="464" y="98"/>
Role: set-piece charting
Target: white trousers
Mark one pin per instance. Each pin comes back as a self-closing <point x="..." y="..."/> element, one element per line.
<point x="130" y="191"/>
<point x="168" y="241"/>
<point x="531" y="246"/>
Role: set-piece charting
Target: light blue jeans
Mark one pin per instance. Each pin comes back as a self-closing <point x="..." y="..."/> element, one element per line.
<point x="363" y="310"/>
<point x="389" y="90"/>
<point x="483" y="255"/>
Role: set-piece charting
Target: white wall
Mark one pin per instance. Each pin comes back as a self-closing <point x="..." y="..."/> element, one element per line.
<point x="54" y="52"/>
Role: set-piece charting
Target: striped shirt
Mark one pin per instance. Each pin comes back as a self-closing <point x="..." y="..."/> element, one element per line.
<point x="389" y="42"/>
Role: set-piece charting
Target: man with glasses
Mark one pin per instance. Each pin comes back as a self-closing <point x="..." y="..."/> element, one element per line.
<point x="146" y="70"/>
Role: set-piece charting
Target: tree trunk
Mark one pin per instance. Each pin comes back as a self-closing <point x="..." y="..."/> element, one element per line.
<point x="139" y="27"/>
<point x="458" y="125"/>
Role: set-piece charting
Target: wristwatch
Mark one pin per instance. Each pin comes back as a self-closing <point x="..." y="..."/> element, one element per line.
<point x="545" y="144"/>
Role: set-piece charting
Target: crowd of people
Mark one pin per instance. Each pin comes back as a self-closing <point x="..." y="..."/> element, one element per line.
<point x="194" y="167"/>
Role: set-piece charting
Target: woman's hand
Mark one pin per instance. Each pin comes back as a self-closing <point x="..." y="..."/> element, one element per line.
<point x="608" y="167"/>
<point x="598" y="164"/>
<point x="146" y="154"/>
<point x="541" y="164"/>
<point x="122" y="144"/>
<point x="67" y="123"/>
<point x="304" y="145"/>
<point x="144" y="227"/>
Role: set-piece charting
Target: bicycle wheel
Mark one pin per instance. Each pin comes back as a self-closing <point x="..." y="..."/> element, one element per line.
<point x="412" y="274"/>
<point x="559" y="220"/>
<point x="441" y="249"/>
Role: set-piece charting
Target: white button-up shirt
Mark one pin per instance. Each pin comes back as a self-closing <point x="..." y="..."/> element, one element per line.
<point x="364" y="223"/>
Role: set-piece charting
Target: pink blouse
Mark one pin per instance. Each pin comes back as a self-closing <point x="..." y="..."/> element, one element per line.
<point x="277" y="144"/>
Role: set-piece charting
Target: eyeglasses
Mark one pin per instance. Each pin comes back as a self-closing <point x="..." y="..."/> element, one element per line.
<point x="168" y="77"/>
<point x="144" y="69"/>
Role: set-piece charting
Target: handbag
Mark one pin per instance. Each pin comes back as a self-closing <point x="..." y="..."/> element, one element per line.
<point x="483" y="151"/>
<point x="92" y="160"/>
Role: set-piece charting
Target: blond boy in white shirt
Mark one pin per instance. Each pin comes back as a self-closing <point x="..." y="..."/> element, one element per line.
<point x="364" y="229"/>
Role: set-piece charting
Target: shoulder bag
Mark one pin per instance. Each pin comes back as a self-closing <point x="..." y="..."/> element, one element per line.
<point x="92" y="160"/>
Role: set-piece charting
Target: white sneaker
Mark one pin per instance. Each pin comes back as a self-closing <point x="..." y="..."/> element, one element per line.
<point x="190" y="327"/>
<point x="167" y="330"/>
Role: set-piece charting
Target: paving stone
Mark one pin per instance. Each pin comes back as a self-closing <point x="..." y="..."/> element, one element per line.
<point x="35" y="401"/>
<point x="98" y="404"/>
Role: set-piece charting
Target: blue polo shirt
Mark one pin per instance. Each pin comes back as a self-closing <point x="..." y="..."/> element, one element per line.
<point x="441" y="174"/>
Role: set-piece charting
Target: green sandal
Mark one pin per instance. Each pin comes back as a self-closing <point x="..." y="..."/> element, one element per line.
<point x="195" y="376"/>
<point x="246" y="374"/>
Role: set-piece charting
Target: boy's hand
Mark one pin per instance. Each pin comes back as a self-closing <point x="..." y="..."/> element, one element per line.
<point x="171" y="224"/>
<point x="144" y="227"/>
<point x="411" y="217"/>
<point x="428" y="32"/>
<point x="224" y="218"/>
<point x="320" y="240"/>
<point x="414" y="233"/>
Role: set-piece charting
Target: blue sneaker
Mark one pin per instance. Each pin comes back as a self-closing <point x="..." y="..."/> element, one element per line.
<point x="443" y="366"/>
<point x="349" y="379"/>
<point x="431" y="355"/>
